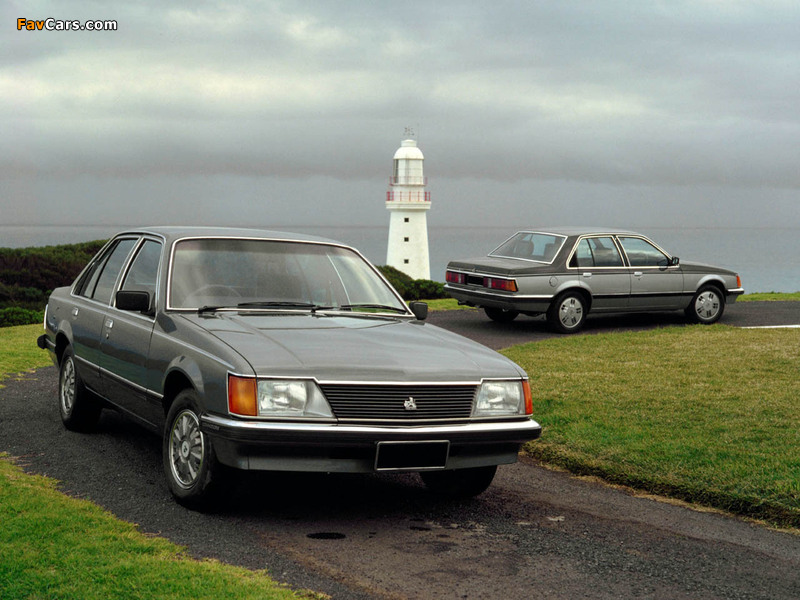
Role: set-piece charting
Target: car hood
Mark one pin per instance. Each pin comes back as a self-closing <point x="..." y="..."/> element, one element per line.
<point x="351" y="348"/>
<point x="499" y="266"/>
<point x="694" y="267"/>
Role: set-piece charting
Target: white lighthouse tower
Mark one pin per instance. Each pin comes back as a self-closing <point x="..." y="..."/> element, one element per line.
<point x="408" y="203"/>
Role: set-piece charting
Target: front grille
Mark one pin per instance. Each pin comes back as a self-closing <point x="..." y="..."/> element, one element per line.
<point x="354" y="402"/>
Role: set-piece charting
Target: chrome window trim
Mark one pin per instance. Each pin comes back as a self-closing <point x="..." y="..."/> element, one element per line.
<point x="587" y="236"/>
<point x="540" y="262"/>
<point x="168" y="303"/>
<point x="648" y="240"/>
<point x="101" y="253"/>
<point x="159" y="239"/>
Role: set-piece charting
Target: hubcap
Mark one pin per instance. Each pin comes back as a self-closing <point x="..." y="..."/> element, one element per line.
<point x="67" y="394"/>
<point x="186" y="449"/>
<point x="707" y="305"/>
<point x="570" y="312"/>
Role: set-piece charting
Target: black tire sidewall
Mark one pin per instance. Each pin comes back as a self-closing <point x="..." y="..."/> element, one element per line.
<point x="85" y="410"/>
<point x="202" y="491"/>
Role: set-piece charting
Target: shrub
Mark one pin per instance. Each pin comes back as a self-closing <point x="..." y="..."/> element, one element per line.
<point x="413" y="289"/>
<point x="14" y="315"/>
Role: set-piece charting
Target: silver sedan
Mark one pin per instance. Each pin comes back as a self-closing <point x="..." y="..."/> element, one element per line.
<point x="566" y="273"/>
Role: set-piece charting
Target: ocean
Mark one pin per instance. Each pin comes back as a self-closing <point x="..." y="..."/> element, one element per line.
<point x="766" y="258"/>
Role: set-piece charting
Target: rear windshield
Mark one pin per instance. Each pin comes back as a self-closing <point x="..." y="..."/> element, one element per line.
<point x="540" y="247"/>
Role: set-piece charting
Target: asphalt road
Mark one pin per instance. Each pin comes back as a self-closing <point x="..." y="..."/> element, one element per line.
<point x="534" y="533"/>
<point x="476" y="325"/>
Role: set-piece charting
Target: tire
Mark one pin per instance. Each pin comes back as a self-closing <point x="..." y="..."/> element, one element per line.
<point x="459" y="483"/>
<point x="567" y="314"/>
<point x="79" y="410"/>
<point x="191" y="467"/>
<point x="501" y="315"/>
<point x="707" y="306"/>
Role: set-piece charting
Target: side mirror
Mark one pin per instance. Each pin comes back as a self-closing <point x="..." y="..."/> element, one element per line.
<point x="133" y="300"/>
<point x="420" y="310"/>
<point x="675" y="261"/>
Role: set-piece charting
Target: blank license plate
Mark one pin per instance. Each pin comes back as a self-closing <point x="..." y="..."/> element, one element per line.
<point x="411" y="456"/>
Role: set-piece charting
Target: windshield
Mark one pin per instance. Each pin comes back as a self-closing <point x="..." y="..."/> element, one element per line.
<point x="541" y="247"/>
<point x="230" y="273"/>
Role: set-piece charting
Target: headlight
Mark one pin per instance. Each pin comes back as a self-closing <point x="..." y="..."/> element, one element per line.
<point x="503" y="398"/>
<point x="276" y="398"/>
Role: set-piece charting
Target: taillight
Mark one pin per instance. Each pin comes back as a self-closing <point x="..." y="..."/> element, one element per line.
<point x="738" y="281"/>
<point x="507" y="285"/>
<point x="453" y="277"/>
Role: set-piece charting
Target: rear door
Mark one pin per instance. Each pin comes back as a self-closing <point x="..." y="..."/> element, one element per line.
<point x="598" y="265"/>
<point x="92" y="296"/>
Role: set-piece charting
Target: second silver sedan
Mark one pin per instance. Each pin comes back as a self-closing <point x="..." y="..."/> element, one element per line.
<point x="567" y="272"/>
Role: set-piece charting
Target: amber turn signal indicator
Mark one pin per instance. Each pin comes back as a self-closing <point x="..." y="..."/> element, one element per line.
<point x="526" y="390"/>
<point x="242" y="395"/>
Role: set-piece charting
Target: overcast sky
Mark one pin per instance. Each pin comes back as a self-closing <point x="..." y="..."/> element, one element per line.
<point x="626" y="113"/>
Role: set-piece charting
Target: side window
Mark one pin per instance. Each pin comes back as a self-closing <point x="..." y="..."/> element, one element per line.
<point x="110" y="271"/>
<point x="144" y="270"/>
<point x="642" y="253"/>
<point x="596" y="252"/>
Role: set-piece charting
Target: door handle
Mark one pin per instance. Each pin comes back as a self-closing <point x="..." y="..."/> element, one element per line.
<point x="638" y="274"/>
<point x="75" y="311"/>
<point x="587" y="274"/>
<point x="109" y="325"/>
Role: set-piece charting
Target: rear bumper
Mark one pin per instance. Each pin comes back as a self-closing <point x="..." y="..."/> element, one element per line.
<point x="476" y="297"/>
<point x="329" y="447"/>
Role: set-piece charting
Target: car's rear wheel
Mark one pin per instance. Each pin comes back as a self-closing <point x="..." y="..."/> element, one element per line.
<point x="706" y="306"/>
<point x="79" y="410"/>
<point x="459" y="483"/>
<point x="567" y="313"/>
<point x="501" y="315"/>
<point x="191" y="467"/>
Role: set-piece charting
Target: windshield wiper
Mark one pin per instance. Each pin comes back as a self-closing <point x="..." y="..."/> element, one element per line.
<point x="209" y="308"/>
<point x="375" y="306"/>
<point x="277" y="304"/>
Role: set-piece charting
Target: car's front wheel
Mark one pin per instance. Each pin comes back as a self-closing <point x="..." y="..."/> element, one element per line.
<point x="501" y="315"/>
<point x="79" y="410"/>
<point x="568" y="313"/>
<point x="189" y="461"/>
<point x="706" y="306"/>
<point x="459" y="483"/>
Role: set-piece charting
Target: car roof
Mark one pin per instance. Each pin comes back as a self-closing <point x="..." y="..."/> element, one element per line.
<point x="172" y="233"/>
<point x="577" y="231"/>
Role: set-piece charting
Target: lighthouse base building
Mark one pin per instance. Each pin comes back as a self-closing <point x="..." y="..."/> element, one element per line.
<point x="408" y="203"/>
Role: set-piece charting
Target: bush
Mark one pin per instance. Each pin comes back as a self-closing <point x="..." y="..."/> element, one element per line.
<point x="14" y="315"/>
<point x="413" y="289"/>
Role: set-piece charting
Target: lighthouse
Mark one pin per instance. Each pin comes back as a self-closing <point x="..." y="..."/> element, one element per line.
<point x="408" y="204"/>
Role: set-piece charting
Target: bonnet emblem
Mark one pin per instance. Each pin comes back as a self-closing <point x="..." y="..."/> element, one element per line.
<point x="410" y="404"/>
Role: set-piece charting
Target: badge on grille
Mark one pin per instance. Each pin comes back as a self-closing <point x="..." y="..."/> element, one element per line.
<point x="410" y="404"/>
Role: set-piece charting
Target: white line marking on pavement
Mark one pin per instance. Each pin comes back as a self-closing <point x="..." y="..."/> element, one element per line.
<point x="774" y="327"/>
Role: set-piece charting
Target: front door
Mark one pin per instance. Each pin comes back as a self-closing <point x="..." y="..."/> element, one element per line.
<point x="655" y="284"/>
<point x="125" y="341"/>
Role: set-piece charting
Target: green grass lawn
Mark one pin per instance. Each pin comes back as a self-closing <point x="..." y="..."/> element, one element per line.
<point x="705" y="414"/>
